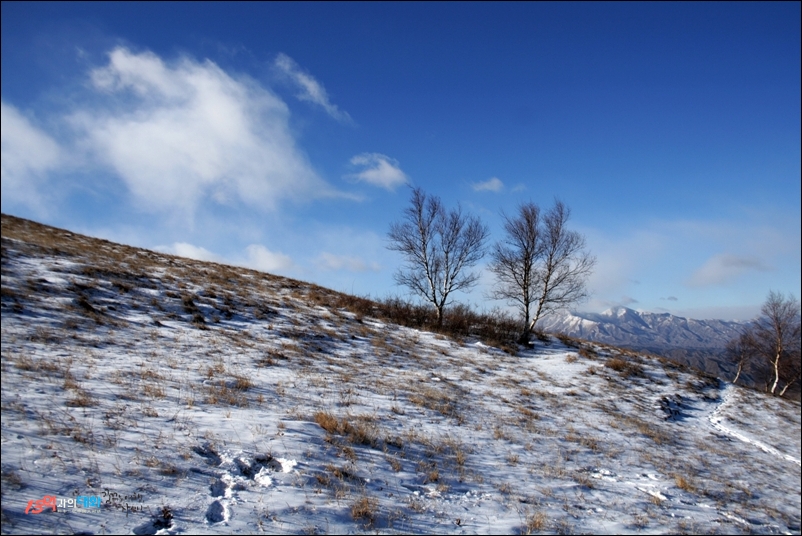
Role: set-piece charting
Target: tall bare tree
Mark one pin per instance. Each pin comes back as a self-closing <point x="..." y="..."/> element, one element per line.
<point x="541" y="263"/>
<point x="515" y="262"/>
<point x="774" y="338"/>
<point x="439" y="248"/>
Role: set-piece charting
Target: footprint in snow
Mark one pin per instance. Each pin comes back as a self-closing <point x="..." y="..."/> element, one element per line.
<point x="217" y="512"/>
<point x="238" y="473"/>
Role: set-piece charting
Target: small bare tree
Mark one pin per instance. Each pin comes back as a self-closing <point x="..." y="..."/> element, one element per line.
<point x="739" y="353"/>
<point x="541" y="263"/>
<point x="439" y="248"/>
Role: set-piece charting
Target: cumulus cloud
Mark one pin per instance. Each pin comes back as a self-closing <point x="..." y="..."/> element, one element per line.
<point x="724" y="268"/>
<point x="379" y="170"/>
<point x="490" y="185"/>
<point x="261" y="258"/>
<point x="329" y="261"/>
<point x="183" y="133"/>
<point x="27" y="154"/>
<point x="309" y="89"/>
<point x="671" y="298"/>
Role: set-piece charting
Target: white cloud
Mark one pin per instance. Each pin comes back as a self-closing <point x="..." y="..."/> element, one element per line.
<point x="261" y="258"/>
<point x="329" y="261"/>
<point x="183" y="133"/>
<point x="725" y="268"/>
<point x="490" y="185"/>
<point x="309" y="89"/>
<point x="256" y="256"/>
<point x="27" y="154"/>
<point x="183" y="249"/>
<point x="380" y="170"/>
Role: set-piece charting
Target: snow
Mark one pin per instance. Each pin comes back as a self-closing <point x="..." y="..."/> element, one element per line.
<point x="215" y="427"/>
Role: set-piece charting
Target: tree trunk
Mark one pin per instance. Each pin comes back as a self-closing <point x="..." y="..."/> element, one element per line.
<point x="524" y="338"/>
<point x="439" y="316"/>
<point x="740" y="368"/>
<point x="776" y="364"/>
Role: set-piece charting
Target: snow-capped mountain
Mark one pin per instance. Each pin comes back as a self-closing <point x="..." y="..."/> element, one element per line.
<point x="656" y="332"/>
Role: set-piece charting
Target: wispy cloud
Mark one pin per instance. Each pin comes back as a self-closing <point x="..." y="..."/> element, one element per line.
<point x="379" y="170"/>
<point x="309" y="89"/>
<point x="725" y="268"/>
<point x="330" y="261"/>
<point x="188" y="132"/>
<point x="490" y="185"/>
<point x="27" y="154"/>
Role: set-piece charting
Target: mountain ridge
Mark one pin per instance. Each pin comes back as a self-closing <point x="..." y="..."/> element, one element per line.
<point x="640" y="329"/>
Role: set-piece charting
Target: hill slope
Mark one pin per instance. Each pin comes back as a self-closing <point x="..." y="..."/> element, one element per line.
<point x="201" y="398"/>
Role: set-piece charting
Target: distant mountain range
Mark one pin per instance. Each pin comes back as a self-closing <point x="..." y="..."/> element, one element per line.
<point x="699" y="343"/>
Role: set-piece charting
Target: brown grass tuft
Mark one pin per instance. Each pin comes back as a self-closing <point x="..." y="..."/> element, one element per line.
<point x="364" y="508"/>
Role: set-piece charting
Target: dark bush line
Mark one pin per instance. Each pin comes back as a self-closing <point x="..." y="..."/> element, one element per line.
<point x="496" y="328"/>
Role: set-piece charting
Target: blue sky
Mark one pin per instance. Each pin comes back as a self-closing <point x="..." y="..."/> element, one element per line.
<point x="282" y="136"/>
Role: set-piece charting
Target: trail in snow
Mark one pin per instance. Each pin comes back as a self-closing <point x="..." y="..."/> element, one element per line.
<point x="715" y="419"/>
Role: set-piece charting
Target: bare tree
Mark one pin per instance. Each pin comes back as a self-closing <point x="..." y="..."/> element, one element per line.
<point x="770" y="347"/>
<point x="541" y="263"/>
<point x="439" y="247"/>
<point x="566" y="264"/>
<point x="774" y="338"/>
<point x="515" y="262"/>
<point x="738" y="352"/>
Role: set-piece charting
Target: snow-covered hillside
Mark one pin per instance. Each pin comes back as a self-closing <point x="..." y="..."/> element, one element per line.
<point x="194" y="397"/>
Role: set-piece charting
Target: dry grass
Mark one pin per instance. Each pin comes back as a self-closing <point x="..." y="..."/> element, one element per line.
<point x="11" y="480"/>
<point x="81" y="399"/>
<point x="584" y="480"/>
<point x="153" y="391"/>
<point x="534" y="522"/>
<point x="684" y="483"/>
<point x="625" y="368"/>
<point x="436" y="399"/>
<point x="219" y="392"/>
<point x="395" y="463"/>
<point x="360" y="430"/>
